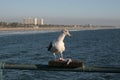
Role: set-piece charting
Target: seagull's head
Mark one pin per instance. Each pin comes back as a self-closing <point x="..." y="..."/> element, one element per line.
<point x="66" y="32"/>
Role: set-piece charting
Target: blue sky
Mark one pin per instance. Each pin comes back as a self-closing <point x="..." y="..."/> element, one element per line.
<point x="99" y="12"/>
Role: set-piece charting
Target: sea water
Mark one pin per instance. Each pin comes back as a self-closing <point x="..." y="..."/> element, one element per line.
<point x="93" y="47"/>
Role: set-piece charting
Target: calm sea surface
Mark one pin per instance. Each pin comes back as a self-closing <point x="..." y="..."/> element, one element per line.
<point x="95" y="48"/>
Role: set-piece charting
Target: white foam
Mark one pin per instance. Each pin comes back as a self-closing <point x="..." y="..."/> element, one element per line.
<point x="8" y="33"/>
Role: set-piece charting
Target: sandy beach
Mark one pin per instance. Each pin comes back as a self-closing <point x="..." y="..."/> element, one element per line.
<point x="40" y="28"/>
<point x="53" y="28"/>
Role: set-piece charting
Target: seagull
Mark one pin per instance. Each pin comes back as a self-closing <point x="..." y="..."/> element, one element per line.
<point x="58" y="46"/>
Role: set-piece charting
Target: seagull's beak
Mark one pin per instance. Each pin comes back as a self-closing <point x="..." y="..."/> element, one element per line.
<point x="69" y="34"/>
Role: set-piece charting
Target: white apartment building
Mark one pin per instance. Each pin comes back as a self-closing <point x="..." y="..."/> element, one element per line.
<point x="33" y="21"/>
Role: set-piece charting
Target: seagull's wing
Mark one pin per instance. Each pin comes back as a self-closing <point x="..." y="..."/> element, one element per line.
<point x="50" y="46"/>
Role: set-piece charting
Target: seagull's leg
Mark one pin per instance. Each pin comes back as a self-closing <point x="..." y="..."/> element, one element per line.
<point x="54" y="56"/>
<point x="61" y="58"/>
<point x="61" y="55"/>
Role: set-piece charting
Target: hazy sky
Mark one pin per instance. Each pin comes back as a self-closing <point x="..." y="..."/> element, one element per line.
<point x="106" y="12"/>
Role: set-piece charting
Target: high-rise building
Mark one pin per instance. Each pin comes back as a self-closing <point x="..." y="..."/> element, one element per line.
<point x="40" y="21"/>
<point x="33" y="21"/>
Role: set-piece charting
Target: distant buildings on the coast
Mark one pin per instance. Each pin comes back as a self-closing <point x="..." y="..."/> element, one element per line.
<point x="33" y="21"/>
<point x="39" y="22"/>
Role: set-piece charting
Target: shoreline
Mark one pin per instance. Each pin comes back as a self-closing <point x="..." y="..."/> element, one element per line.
<point x="55" y="28"/>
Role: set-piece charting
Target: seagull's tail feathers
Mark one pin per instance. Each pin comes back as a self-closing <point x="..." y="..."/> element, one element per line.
<point x="50" y="46"/>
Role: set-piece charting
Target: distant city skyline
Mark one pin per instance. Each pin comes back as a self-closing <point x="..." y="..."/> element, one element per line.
<point x="98" y="12"/>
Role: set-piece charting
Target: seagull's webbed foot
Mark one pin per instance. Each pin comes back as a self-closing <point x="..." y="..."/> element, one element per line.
<point x="68" y="60"/>
<point x="62" y="59"/>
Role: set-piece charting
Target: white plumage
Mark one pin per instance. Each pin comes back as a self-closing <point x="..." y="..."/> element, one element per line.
<point x="58" y="46"/>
